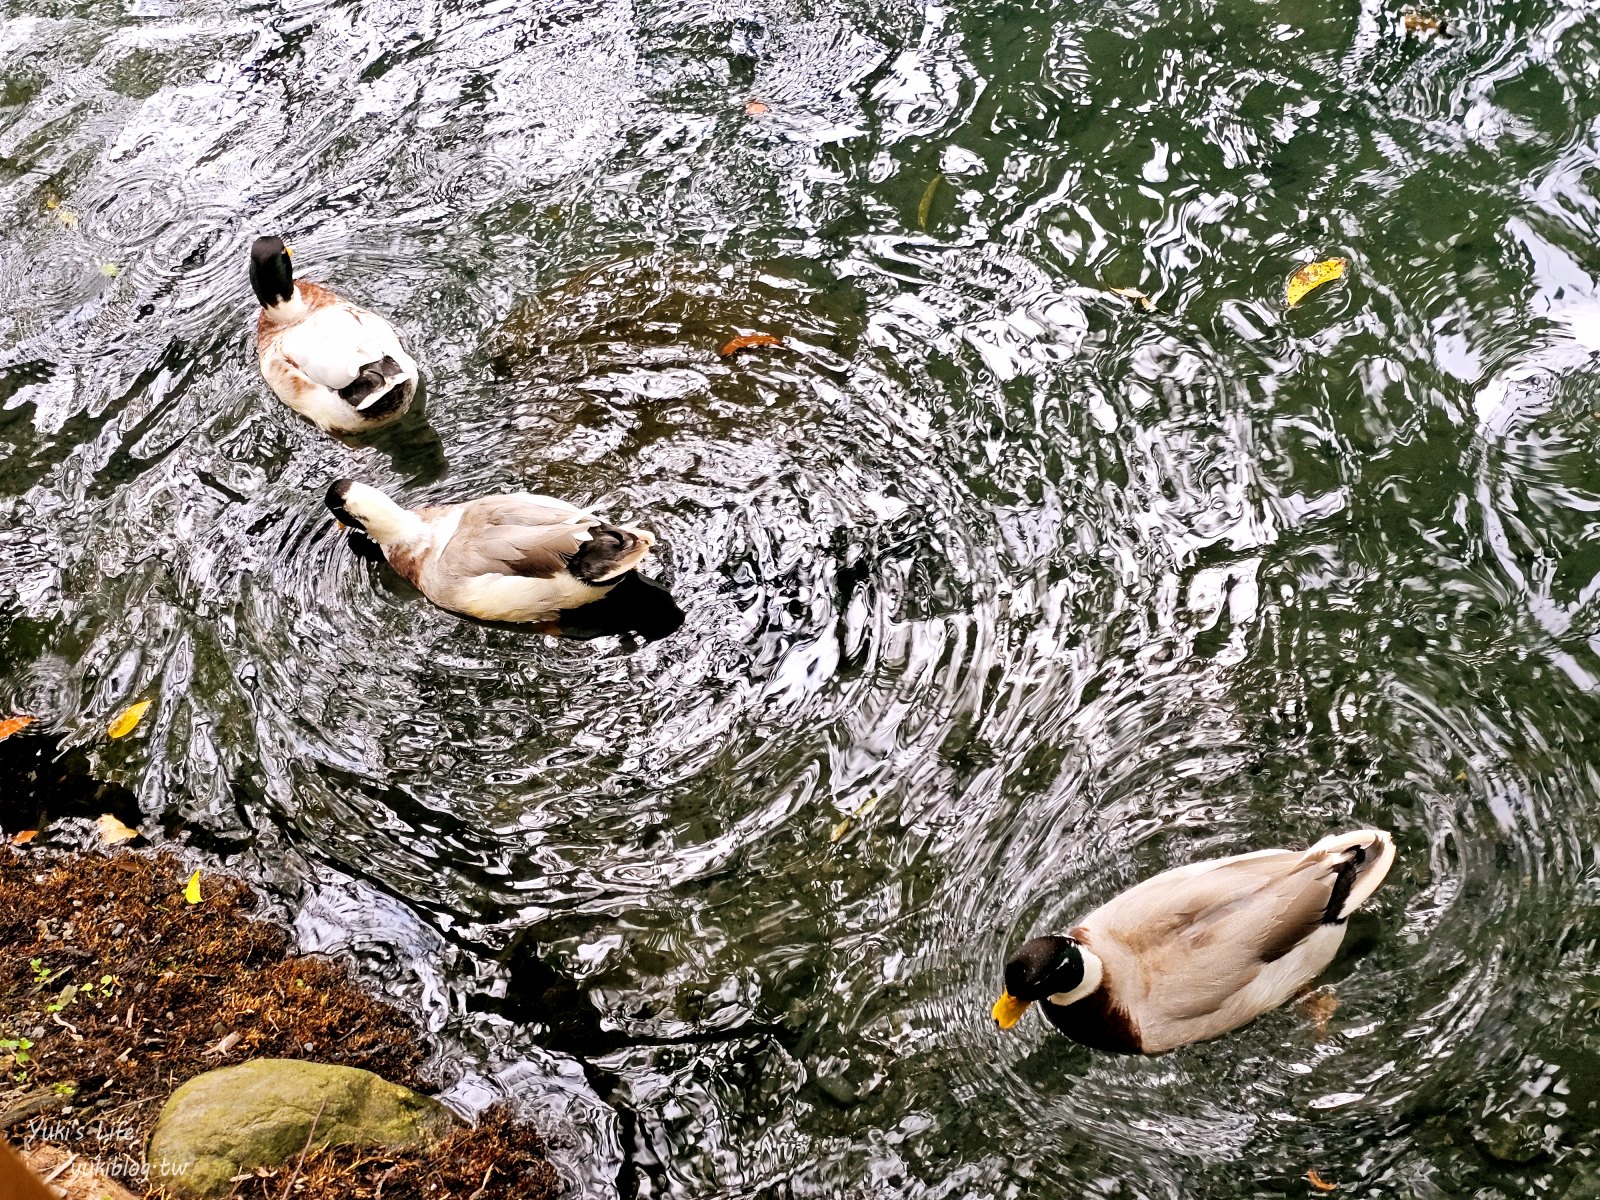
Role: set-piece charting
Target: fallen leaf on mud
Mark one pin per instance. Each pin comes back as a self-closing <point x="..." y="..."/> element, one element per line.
<point x="191" y="892"/>
<point x="1318" y="1182"/>
<point x="223" y="1044"/>
<point x="926" y="206"/>
<point x="1135" y="294"/>
<point x="128" y="719"/>
<point x="747" y="340"/>
<point x="113" y="831"/>
<point x="754" y="107"/>
<point x="23" y="838"/>
<point x="1314" y="275"/>
<point x="13" y="725"/>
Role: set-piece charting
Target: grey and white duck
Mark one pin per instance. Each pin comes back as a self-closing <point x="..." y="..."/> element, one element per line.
<point x="510" y="557"/>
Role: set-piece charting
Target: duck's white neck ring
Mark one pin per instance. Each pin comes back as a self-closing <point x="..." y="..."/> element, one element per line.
<point x="1093" y="972"/>
<point x="287" y="312"/>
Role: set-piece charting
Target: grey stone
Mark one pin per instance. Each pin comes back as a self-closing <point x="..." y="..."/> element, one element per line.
<point x="262" y="1114"/>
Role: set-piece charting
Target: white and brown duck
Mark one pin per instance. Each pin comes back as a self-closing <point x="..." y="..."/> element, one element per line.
<point x="335" y="363"/>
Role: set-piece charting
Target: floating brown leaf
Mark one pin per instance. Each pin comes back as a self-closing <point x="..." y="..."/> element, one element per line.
<point x="1314" y="275"/>
<point x="745" y="341"/>
<point x="14" y="725"/>
<point x="1318" y="1182"/>
<point x="754" y="107"/>
<point x="23" y="838"/>
<point x="1419" y="23"/>
<point x="1134" y="294"/>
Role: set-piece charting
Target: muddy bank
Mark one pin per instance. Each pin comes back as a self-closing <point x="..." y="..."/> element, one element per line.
<point x="115" y="989"/>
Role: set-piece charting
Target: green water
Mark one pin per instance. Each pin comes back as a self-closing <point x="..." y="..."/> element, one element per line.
<point x="1053" y="591"/>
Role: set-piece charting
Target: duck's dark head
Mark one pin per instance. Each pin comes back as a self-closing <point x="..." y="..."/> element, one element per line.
<point x="338" y="493"/>
<point x="1052" y="968"/>
<point x="271" y="272"/>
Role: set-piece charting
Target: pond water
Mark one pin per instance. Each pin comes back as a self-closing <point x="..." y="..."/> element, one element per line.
<point x="1038" y="589"/>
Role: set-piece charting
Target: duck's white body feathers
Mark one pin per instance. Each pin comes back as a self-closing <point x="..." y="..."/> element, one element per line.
<point x="315" y="344"/>
<point x="1202" y="949"/>
<point x="513" y="557"/>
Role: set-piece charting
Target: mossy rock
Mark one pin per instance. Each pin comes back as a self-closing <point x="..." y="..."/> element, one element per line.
<point x="264" y="1113"/>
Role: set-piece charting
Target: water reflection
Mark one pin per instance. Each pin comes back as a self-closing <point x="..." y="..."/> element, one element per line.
<point x="1029" y="590"/>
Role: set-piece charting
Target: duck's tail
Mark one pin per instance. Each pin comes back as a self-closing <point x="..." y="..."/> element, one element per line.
<point x="368" y="387"/>
<point x="610" y="553"/>
<point x="1360" y="860"/>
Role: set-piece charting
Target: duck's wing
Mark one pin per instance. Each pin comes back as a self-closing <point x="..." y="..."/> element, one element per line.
<point x="1217" y="937"/>
<point x="337" y="340"/>
<point x="526" y="535"/>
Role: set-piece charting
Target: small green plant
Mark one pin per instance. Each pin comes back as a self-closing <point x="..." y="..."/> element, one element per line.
<point x="40" y="972"/>
<point x="106" y="987"/>
<point x="18" y="1048"/>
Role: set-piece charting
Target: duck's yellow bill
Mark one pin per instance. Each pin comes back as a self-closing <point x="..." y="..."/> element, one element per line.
<point x="1008" y="1010"/>
<point x="289" y="250"/>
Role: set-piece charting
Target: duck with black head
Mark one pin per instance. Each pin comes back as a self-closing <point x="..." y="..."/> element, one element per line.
<point x="335" y="363"/>
<point x="1200" y="950"/>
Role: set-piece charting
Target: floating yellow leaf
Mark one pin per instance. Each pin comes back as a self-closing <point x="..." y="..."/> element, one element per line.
<point x="65" y="215"/>
<point x="1318" y="1182"/>
<point x="113" y="831"/>
<point x="927" y="201"/>
<point x="128" y="719"/>
<point x="23" y="838"/>
<point x="1314" y="275"/>
<point x="1135" y="294"/>
<point x="111" y="270"/>
<point x="13" y="725"/>
<point x="862" y="809"/>
<point x="191" y="893"/>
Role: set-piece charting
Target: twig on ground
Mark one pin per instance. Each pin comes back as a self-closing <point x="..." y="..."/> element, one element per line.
<point x="301" y="1161"/>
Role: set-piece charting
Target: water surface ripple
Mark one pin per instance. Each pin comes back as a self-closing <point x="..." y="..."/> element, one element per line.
<point x="1003" y="591"/>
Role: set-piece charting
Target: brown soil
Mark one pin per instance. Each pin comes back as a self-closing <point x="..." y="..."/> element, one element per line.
<point x="114" y="990"/>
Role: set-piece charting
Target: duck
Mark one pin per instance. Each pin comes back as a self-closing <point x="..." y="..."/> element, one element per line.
<point x="509" y="557"/>
<point x="335" y="363"/>
<point x="1197" y="951"/>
